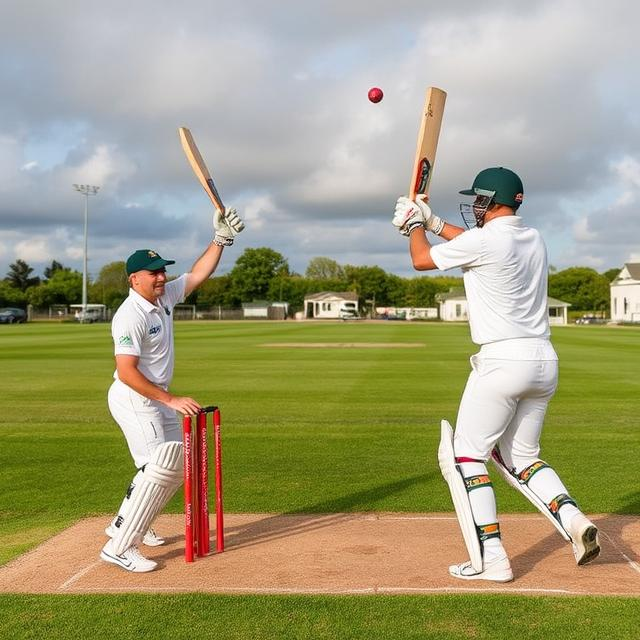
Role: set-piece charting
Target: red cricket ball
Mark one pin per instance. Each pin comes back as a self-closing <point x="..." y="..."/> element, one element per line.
<point x="375" y="94"/>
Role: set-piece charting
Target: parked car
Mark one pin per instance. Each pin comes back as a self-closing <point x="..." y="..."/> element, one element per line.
<point x="11" y="315"/>
<point x="591" y="319"/>
<point x="90" y="315"/>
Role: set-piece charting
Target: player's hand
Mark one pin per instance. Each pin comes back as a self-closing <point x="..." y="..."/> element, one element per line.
<point x="226" y="226"/>
<point x="187" y="406"/>
<point x="431" y="221"/>
<point x="407" y="216"/>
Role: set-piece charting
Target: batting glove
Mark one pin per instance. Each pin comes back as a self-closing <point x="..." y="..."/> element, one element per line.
<point x="432" y="222"/>
<point x="407" y="216"/>
<point x="226" y="226"/>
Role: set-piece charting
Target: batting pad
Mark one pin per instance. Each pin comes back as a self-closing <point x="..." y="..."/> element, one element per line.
<point x="512" y="479"/>
<point x="453" y="477"/>
<point x="161" y="478"/>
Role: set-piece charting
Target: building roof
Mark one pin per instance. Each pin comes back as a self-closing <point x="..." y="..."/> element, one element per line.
<point x="632" y="268"/>
<point x="554" y="302"/>
<point x="350" y="296"/>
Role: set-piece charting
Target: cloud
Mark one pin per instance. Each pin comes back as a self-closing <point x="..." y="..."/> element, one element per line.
<point x="277" y="103"/>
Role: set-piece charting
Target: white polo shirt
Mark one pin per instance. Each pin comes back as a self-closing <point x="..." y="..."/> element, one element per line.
<point x="141" y="328"/>
<point x="504" y="267"/>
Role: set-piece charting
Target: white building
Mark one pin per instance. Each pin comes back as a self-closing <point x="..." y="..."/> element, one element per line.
<point x="625" y="294"/>
<point x="453" y="308"/>
<point x="263" y="310"/>
<point x="331" y="305"/>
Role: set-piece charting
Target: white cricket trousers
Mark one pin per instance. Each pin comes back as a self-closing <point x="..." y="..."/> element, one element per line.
<point x="145" y="423"/>
<point x="505" y="402"/>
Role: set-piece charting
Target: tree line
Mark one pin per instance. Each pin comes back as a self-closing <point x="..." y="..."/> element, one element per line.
<point x="264" y="274"/>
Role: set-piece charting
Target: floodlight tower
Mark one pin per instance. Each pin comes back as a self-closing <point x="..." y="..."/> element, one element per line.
<point x="86" y="190"/>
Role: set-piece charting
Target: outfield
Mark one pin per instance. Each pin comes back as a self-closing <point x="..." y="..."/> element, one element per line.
<point x="315" y="430"/>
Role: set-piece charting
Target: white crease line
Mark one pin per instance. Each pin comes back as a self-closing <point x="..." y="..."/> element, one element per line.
<point x="74" y="578"/>
<point x="310" y="591"/>
<point x="634" y="565"/>
<point x="504" y="518"/>
<point x="478" y="590"/>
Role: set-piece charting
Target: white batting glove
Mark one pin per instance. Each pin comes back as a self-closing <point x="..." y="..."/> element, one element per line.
<point x="432" y="222"/>
<point x="226" y="227"/>
<point x="407" y="216"/>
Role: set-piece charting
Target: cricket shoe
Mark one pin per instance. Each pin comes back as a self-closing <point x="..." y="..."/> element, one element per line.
<point x="498" y="570"/>
<point x="130" y="560"/>
<point x="151" y="538"/>
<point x="584" y="539"/>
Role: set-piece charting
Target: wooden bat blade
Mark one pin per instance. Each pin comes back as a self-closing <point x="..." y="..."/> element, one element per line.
<point x="199" y="167"/>
<point x="427" y="141"/>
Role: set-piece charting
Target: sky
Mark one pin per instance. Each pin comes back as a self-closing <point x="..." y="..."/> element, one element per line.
<point x="275" y="94"/>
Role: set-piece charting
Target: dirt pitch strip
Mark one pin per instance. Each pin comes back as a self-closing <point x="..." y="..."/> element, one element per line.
<point x="382" y="553"/>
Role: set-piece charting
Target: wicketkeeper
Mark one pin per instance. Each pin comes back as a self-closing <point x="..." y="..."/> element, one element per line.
<point x="513" y="377"/>
<point x="139" y="398"/>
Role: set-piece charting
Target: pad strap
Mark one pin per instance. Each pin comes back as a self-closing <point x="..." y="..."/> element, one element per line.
<point x="526" y="474"/>
<point x="486" y="531"/>
<point x="559" y="501"/>
<point x="477" y="482"/>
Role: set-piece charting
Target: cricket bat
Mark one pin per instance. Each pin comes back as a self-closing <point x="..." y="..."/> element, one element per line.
<point x="199" y="167"/>
<point x="427" y="142"/>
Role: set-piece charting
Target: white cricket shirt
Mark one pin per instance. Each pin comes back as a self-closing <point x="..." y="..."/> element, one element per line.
<point x="141" y="328"/>
<point x="504" y="267"/>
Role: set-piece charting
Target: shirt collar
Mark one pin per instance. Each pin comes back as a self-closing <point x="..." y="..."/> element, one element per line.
<point x="142" y="302"/>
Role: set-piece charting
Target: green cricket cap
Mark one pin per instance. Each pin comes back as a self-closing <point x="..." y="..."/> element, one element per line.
<point x="146" y="259"/>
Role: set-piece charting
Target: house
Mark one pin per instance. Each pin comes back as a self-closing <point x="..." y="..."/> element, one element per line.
<point x="331" y="305"/>
<point x="453" y="308"/>
<point x="625" y="294"/>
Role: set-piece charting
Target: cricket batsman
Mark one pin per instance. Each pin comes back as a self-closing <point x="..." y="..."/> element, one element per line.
<point x="513" y="376"/>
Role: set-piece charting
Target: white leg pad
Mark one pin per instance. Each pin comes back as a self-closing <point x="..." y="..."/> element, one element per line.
<point x="453" y="477"/>
<point x="161" y="478"/>
<point x="512" y="479"/>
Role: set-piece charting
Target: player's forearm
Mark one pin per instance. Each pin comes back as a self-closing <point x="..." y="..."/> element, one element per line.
<point x="450" y="231"/>
<point x="134" y="378"/>
<point x="203" y="267"/>
<point x="420" y="250"/>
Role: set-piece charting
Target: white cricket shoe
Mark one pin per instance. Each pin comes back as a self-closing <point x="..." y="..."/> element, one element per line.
<point x="131" y="560"/>
<point x="584" y="539"/>
<point x="498" y="570"/>
<point x="151" y="538"/>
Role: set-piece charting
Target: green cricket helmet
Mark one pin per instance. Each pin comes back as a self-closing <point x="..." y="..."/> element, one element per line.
<point x="496" y="185"/>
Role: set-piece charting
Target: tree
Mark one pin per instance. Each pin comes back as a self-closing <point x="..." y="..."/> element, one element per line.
<point x="55" y="266"/>
<point x="324" y="269"/>
<point x="421" y="292"/>
<point x="584" y="288"/>
<point x="214" y="292"/>
<point x="19" y="275"/>
<point x="111" y="286"/>
<point x="253" y="272"/>
<point x="612" y="274"/>
<point x="372" y="283"/>
<point x="10" y="296"/>
<point x="64" y="287"/>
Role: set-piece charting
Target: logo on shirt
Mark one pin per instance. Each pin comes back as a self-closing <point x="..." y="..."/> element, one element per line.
<point x="125" y="341"/>
<point x="166" y="310"/>
<point x="155" y="329"/>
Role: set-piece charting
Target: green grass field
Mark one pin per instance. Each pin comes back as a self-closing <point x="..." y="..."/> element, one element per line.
<point x="304" y="430"/>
